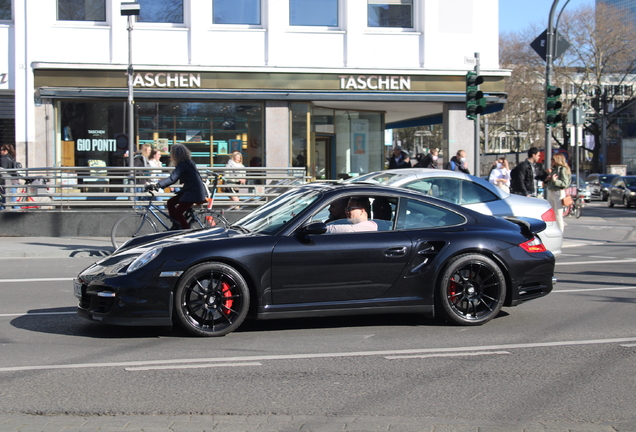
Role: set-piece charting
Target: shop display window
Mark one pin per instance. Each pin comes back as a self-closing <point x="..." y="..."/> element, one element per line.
<point x="247" y="12"/>
<point x="313" y="13"/>
<point x="390" y="13"/>
<point x="211" y="131"/>
<point x="79" y="10"/>
<point x="160" y="11"/>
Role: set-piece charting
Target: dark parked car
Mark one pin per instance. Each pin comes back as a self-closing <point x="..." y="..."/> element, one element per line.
<point x="427" y="256"/>
<point x="622" y="191"/>
<point x="598" y="184"/>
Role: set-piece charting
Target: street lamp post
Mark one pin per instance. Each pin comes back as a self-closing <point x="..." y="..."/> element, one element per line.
<point x="129" y="10"/>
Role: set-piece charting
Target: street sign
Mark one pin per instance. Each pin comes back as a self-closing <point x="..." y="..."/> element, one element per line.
<point x="576" y="116"/>
<point x="541" y="42"/>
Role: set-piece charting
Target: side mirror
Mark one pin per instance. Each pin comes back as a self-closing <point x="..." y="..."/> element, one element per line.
<point x="314" y="228"/>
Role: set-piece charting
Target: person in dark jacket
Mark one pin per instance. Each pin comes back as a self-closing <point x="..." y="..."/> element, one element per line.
<point x="458" y="162"/>
<point x="7" y="161"/>
<point x="525" y="176"/>
<point x="428" y="161"/>
<point x="192" y="190"/>
<point x="400" y="159"/>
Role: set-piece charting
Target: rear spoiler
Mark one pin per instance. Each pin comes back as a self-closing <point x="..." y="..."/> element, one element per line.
<point x="529" y="226"/>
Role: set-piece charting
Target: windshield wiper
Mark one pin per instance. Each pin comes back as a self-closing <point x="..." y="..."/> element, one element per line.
<point x="241" y="228"/>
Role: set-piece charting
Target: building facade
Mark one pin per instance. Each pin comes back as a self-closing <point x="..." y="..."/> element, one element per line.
<point x="311" y="83"/>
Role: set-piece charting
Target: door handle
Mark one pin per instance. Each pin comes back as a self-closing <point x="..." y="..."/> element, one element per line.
<point x="395" y="251"/>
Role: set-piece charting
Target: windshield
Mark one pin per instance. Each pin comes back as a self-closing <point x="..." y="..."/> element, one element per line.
<point x="271" y="217"/>
<point x="630" y="182"/>
<point x="378" y="178"/>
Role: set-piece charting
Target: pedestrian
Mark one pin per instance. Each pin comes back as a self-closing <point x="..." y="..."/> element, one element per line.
<point x="141" y="160"/>
<point x="400" y="159"/>
<point x="192" y="190"/>
<point x="235" y="177"/>
<point x="500" y="175"/>
<point x="525" y="177"/>
<point x="458" y="162"/>
<point x="557" y="182"/>
<point x="155" y="161"/>
<point x="8" y="161"/>
<point x="428" y="161"/>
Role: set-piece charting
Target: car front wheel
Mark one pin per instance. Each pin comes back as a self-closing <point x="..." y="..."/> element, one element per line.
<point x="212" y="299"/>
<point x="472" y="290"/>
<point x="609" y="202"/>
<point x="626" y="202"/>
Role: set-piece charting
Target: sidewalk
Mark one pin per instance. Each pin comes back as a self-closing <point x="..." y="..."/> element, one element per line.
<point x="285" y="423"/>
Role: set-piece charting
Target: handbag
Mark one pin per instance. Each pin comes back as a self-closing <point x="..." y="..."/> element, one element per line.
<point x="567" y="201"/>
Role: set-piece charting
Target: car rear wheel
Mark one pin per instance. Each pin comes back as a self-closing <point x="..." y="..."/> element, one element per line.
<point x="212" y="299"/>
<point x="472" y="290"/>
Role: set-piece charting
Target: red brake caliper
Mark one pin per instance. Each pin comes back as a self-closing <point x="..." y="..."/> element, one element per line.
<point x="225" y="289"/>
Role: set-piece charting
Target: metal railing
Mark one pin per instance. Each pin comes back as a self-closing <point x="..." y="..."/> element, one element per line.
<point x="114" y="188"/>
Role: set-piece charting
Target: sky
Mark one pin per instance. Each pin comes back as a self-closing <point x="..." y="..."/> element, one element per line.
<point x="519" y="14"/>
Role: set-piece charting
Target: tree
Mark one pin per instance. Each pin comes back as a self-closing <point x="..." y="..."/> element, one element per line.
<point x="603" y="49"/>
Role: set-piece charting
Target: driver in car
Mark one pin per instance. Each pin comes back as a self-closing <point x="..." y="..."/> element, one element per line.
<point x="357" y="211"/>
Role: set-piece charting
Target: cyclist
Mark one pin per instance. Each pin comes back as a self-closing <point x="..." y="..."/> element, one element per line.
<point x="192" y="190"/>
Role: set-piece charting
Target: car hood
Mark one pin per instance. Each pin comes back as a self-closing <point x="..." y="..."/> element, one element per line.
<point x="179" y="237"/>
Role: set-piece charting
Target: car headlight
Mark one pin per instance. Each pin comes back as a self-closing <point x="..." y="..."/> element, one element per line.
<point x="144" y="259"/>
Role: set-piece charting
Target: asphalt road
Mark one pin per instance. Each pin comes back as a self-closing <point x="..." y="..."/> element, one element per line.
<point x="564" y="362"/>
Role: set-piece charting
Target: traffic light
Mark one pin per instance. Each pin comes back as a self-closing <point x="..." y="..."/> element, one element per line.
<point x="475" y="101"/>
<point x="553" y="105"/>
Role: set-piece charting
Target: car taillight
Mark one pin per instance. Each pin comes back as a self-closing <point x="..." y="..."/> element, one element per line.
<point x="548" y="216"/>
<point x="533" y="246"/>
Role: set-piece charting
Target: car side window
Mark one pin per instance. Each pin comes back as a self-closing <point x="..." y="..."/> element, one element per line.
<point x="420" y="215"/>
<point x="443" y="188"/>
<point x="473" y="193"/>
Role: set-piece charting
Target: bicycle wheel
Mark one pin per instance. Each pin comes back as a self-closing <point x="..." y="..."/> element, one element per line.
<point x="130" y="226"/>
<point x="578" y="208"/>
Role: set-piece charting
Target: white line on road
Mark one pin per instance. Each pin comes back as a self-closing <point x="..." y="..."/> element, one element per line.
<point x="597" y="262"/>
<point x="628" y="345"/>
<point x="447" y="355"/>
<point x="37" y="313"/>
<point x="319" y="355"/>
<point x="594" y="289"/>
<point x="36" y="280"/>
<point x="200" y="366"/>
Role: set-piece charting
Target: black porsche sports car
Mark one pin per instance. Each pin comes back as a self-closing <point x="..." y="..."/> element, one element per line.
<point x="423" y="255"/>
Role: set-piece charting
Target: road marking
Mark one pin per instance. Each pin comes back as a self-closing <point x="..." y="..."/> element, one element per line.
<point x="597" y="262"/>
<point x="447" y="355"/>
<point x="594" y="289"/>
<point x="628" y="345"/>
<point x="422" y="351"/>
<point x="37" y="313"/>
<point x="36" y="280"/>
<point x="147" y="368"/>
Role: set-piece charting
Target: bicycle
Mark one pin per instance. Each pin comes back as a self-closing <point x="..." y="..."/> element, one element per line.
<point x="145" y="220"/>
<point x="576" y="208"/>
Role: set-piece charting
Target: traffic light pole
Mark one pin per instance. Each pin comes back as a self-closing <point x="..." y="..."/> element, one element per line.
<point x="477" y="171"/>
<point x="549" y="56"/>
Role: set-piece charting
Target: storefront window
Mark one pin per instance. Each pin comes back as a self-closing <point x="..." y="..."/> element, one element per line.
<point x="390" y="13"/>
<point x="160" y="11"/>
<point x="360" y="142"/>
<point x="5" y="10"/>
<point x="301" y="136"/>
<point x="78" y="10"/>
<point x="237" y="12"/>
<point x="211" y="131"/>
<point x="313" y="13"/>
<point x="92" y="134"/>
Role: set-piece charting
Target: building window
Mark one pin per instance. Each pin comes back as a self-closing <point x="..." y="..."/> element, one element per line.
<point x="5" y="10"/>
<point x="313" y="13"/>
<point x="236" y="12"/>
<point x="390" y="13"/>
<point x="160" y="11"/>
<point x="81" y="10"/>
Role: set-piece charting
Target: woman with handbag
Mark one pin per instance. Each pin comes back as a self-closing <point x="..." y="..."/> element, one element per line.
<point x="234" y="177"/>
<point x="557" y="182"/>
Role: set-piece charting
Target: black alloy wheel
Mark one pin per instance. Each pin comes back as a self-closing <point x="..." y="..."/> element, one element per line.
<point x="609" y="201"/>
<point x="626" y="202"/>
<point x="472" y="290"/>
<point x="212" y="299"/>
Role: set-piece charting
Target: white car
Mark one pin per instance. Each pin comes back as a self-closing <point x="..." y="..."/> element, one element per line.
<point x="474" y="193"/>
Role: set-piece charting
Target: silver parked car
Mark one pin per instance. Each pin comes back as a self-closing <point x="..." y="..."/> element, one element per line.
<point x="471" y="192"/>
